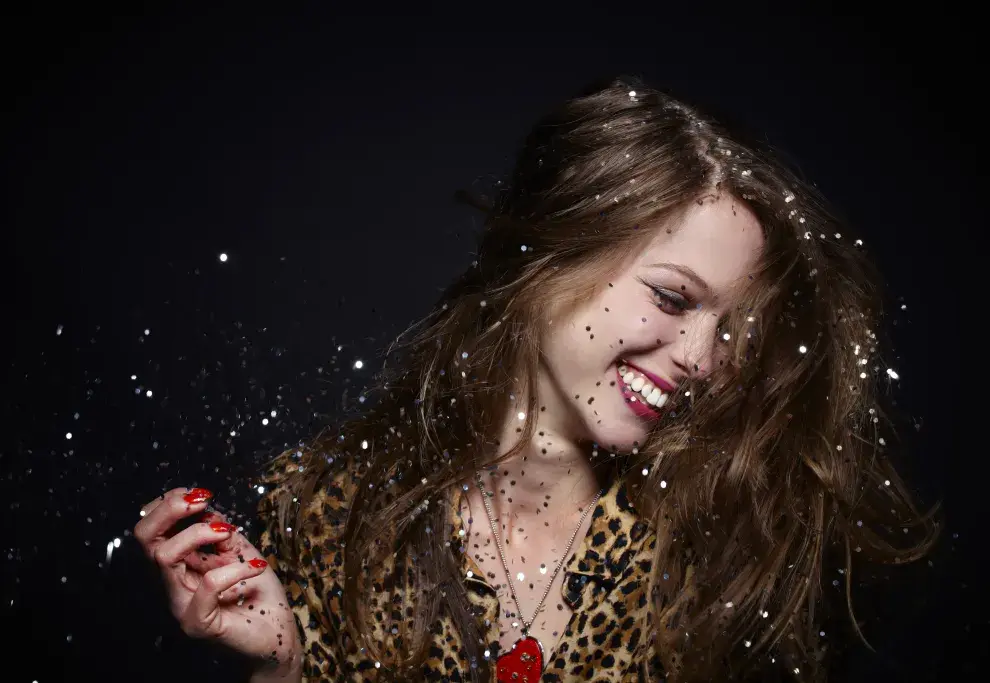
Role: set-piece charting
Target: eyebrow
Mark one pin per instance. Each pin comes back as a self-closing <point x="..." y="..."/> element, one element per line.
<point x="689" y="274"/>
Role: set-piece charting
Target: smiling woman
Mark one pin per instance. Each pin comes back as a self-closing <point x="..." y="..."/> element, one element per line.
<point x="667" y="353"/>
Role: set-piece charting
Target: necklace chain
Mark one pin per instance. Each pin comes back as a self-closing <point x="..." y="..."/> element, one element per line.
<point x="508" y="574"/>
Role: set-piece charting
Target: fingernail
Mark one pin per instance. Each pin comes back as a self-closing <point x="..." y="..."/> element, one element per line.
<point x="222" y="527"/>
<point x="197" y="496"/>
<point x="258" y="563"/>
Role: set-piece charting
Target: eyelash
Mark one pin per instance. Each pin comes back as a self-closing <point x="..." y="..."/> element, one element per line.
<point x="676" y="300"/>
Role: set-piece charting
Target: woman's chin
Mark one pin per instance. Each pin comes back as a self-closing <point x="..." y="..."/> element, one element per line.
<point x="621" y="437"/>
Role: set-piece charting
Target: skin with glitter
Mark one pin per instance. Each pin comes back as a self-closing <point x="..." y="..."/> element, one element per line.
<point x="209" y="593"/>
<point x="648" y="315"/>
<point x="663" y="323"/>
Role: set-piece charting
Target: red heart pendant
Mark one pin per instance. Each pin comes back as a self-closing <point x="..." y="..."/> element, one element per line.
<point x="523" y="664"/>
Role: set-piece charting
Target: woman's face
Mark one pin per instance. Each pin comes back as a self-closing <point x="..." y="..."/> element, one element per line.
<point x="657" y="321"/>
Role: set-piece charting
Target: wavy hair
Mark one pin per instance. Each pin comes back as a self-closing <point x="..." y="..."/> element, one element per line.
<point x="780" y="451"/>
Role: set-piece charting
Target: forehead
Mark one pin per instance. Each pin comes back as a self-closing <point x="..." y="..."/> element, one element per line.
<point x="720" y="239"/>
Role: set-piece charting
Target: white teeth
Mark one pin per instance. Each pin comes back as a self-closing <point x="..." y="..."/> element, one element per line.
<point x="639" y="384"/>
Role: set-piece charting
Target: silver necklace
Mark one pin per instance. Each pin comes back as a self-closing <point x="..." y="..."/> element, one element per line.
<point x="527" y="653"/>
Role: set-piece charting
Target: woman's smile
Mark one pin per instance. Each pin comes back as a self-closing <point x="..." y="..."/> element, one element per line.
<point x="640" y="394"/>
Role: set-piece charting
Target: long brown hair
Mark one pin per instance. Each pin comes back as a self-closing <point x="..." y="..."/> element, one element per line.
<point x="774" y="462"/>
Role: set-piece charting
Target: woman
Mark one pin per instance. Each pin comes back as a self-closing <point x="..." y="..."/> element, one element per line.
<point x="627" y="444"/>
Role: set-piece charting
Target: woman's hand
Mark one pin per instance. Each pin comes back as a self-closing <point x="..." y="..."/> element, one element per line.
<point x="229" y="595"/>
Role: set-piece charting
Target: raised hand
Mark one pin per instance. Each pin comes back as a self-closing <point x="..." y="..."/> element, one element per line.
<point x="229" y="595"/>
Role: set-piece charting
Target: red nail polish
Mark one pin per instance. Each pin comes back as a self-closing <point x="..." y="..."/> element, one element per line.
<point x="222" y="527"/>
<point x="197" y="496"/>
<point x="258" y="563"/>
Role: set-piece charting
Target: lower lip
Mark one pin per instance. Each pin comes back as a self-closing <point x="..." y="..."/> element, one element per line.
<point x="636" y="402"/>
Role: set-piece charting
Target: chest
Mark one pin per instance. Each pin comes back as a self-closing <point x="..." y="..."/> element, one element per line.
<point x="530" y="566"/>
<point x="548" y="625"/>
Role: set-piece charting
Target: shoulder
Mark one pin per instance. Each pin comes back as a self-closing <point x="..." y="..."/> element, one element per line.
<point x="303" y="513"/>
<point x="310" y="489"/>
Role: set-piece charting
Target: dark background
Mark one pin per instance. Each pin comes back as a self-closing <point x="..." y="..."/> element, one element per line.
<point x="320" y="152"/>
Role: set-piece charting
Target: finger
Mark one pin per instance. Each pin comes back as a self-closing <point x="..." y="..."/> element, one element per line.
<point x="239" y="592"/>
<point x="226" y="544"/>
<point x="151" y="506"/>
<point x="141" y="529"/>
<point x="202" y="616"/>
<point x="172" y="551"/>
<point x="175" y="505"/>
<point x="201" y="561"/>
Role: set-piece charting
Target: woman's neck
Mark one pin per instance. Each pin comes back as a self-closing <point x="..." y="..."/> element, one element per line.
<point x="542" y="490"/>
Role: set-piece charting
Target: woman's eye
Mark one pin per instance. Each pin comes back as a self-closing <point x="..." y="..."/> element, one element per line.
<point x="669" y="302"/>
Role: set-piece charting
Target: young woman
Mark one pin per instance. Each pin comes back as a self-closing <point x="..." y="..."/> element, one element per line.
<point x="636" y="440"/>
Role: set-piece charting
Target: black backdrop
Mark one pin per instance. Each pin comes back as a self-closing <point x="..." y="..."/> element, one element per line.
<point x="320" y="152"/>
